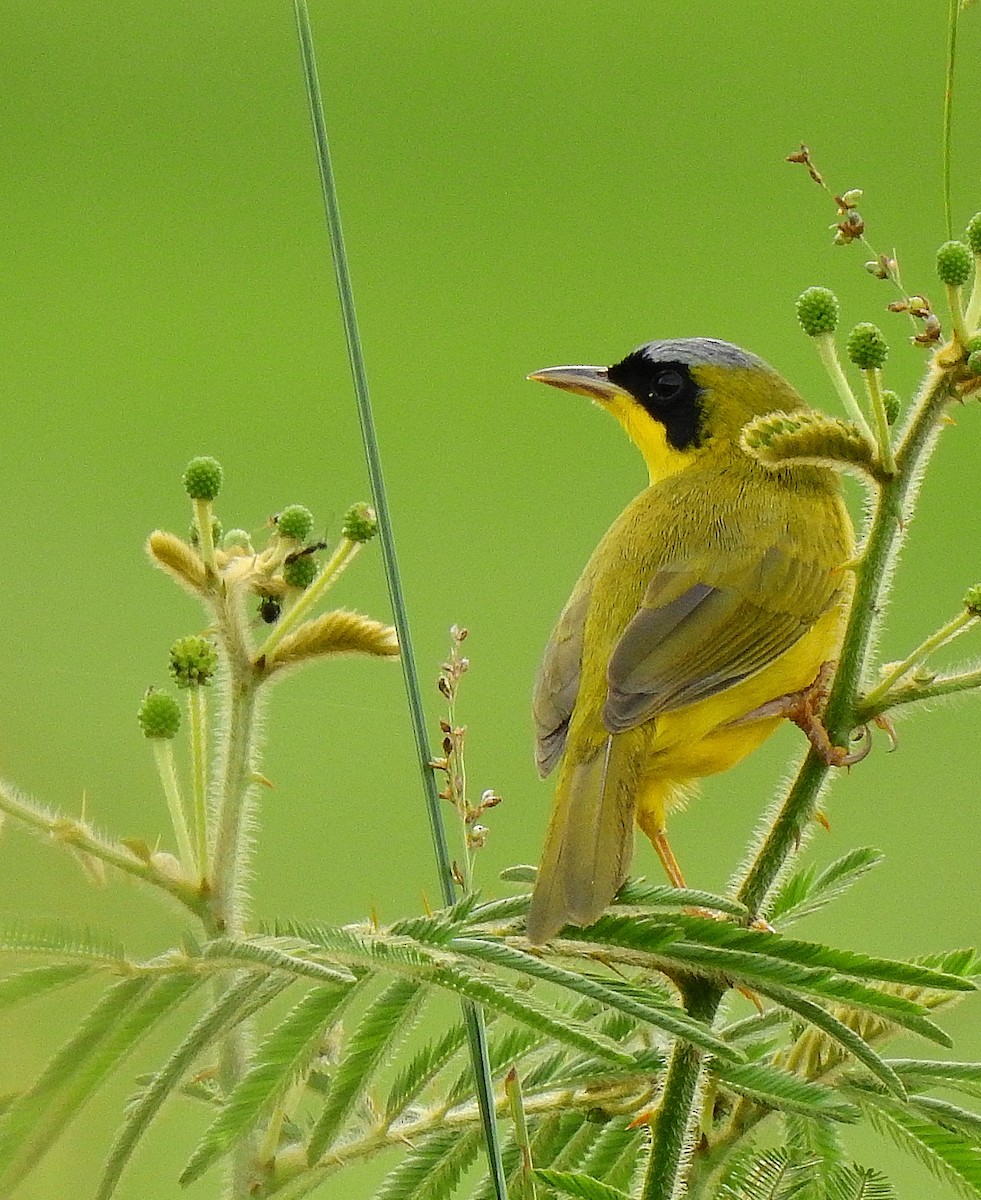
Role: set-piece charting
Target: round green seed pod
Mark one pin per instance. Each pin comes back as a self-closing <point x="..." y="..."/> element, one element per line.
<point x="974" y="362"/>
<point x="202" y="478"/>
<point x="301" y="572"/>
<point x="954" y="263"/>
<point x="295" y="522"/>
<point x="360" y="523"/>
<point x="159" y="715"/>
<point x="193" y="661"/>
<point x="974" y="233"/>
<point x="866" y="346"/>
<point x="237" y="539"/>
<point x="817" y="311"/>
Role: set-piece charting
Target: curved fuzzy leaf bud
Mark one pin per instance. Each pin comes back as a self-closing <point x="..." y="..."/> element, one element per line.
<point x="339" y="632"/>
<point x="178" y="559"/>
<point x="780" y="438"/>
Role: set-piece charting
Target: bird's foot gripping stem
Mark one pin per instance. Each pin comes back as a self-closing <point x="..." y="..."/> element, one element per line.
<point x="805" y="708"/>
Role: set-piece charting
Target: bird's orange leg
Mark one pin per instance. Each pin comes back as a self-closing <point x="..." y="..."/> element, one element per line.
<point x="659" y="840"/>
<point x="668" y="860"/>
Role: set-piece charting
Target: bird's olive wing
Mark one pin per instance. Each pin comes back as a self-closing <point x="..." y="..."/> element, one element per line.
<point x="557" y="683"/>
<point x="700" y="630"/>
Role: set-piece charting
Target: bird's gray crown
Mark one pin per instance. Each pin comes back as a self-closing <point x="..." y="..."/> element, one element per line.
<point x="699" y="352"/>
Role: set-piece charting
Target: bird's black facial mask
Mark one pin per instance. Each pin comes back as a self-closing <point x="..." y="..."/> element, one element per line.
<point x="667" y="391"/>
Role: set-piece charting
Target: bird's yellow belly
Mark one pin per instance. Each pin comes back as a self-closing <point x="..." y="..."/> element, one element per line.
<point x="702" y="739"/>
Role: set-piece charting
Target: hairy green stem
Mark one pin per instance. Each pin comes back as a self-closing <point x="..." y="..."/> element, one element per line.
<point x="824" y="343"/>
<point x="203" y="517"/>
<point x="883" y="436"/>
<point x="708" y="1164"/>
<point x="940" y="638"/>
<point x="943" y="685"/>
<point x="519" y="1118"/>
<point x="958" y="321"/>
<point x="197" y="705"/>
<point x="673" y="1127"/>
<point x="227" y="907"/>
<point x="163" y="753"/>
<point x="77" y="835"/>
<point x="227" y="911"/>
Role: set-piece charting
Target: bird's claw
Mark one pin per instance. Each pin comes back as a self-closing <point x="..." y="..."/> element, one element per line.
<point x="805" y="709"/>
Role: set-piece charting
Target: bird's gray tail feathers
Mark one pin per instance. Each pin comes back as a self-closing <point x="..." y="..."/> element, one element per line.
<point x="589" y="842"/>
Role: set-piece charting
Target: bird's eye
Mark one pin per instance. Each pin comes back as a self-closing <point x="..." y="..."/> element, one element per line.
<point x="667" y="386"/>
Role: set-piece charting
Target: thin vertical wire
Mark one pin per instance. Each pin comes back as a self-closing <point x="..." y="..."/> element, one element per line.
<point x="345" y="291"/>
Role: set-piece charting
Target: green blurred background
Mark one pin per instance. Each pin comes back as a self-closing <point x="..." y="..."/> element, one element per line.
<point x="523" y="184"/>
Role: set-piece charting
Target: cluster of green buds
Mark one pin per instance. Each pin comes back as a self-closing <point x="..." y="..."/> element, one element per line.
<point x="286" y="577"/>
<point x="227" y="573"/>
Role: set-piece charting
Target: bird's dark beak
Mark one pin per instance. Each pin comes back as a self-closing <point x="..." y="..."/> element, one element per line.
<point x="593" y="382"/>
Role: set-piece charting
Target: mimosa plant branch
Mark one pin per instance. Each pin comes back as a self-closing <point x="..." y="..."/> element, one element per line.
<point x="872" y="701"/>
<point x="234" y="782"/>
<point x="79" y="837"/>
<point x="914" y="692"/>
<point x="672" y="1128"/>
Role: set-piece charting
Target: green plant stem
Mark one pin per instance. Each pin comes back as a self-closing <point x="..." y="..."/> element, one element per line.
<point x="943" y="685"/>
<point x="227" y="910"/>
<point x="519" y="1118"/>
<point x="472" y="1015"/>
<point x="824" y="343"/>
<point x="973" y="313"/>
<point x="203" y="514"/>
<point x="958" y="322"/>
<point x="678" y="1110"/>
<point x="883" y="435"/>
<point x="197" y="711"/>
<point x="237" y="770"/>
<point x="940" y="638"/>
<point x="888" y="529"/>
<point x="76" y="835"/>
<point x="708" y="1164"/>
<point x="163" y="753"/>
<point x="588" y="1095"/>
<point x="379" y="495"/>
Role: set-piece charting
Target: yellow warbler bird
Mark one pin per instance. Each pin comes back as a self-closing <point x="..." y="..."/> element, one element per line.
<point x="703" y="616"/>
